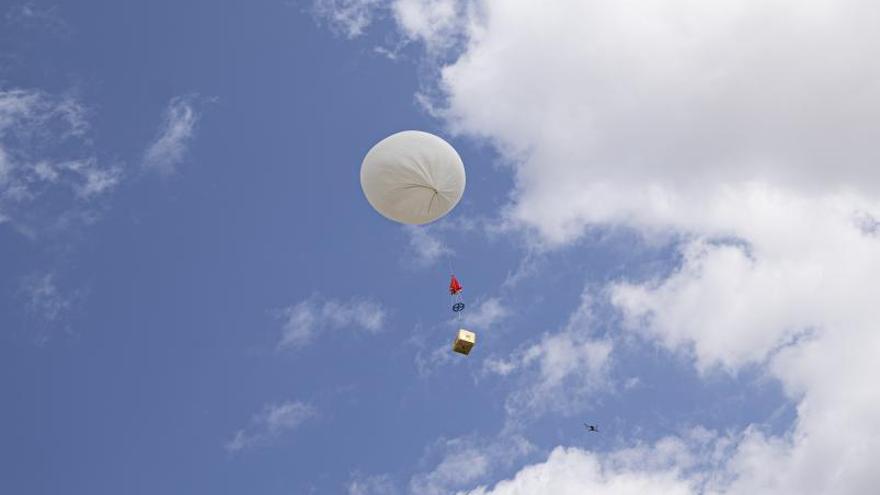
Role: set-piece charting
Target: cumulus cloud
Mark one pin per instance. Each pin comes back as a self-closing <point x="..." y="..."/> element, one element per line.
<point x="38" y="135"/>
<point x="728" y="308"/>
<point x="306" y="320"/>
<point x="175" y="134"/>
<point x="637" y="114"/>
<point x="797" y="302"/>
<point x="269" y="424"/>
<point x="643" y="469"/>
<point x="747" y="128"/>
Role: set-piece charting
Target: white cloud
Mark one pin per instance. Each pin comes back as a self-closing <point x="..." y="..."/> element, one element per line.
<point x="51" y="183"/>
<point x="269" y="424"/>
<point x="486" y="315"/>
<point x="175" y="134"/>
<point x="691" y="463"/>
<point x="640" y="114"/>
<point x="381" y="484"/>
<point x="37" y="133"/>
<point x="457" y="470"/>
<point x="560" y="373"/>
<point x="95" y="181"/>
<point x="48" y="305"/>
<point x="697" y="461"/>
<point x="572" y="471"/>
<point x="44" y="299"/>
<point x="30" y="15"/>
<point x="745" y="121"/>
<point x="349" y="18"/>
<point x="464" y="461"/>
<point x="807" y="312"/>
<point x="435" y="23"/>
<point x="434" y="349"/>
<point x="307" y="319"/>
<point x="425" y="248"/>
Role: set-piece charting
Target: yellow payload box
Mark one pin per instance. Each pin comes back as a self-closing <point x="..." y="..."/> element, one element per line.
<point x="464" y="341"/>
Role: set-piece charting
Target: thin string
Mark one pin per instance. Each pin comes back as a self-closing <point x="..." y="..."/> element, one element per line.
<point x="449" y="263"/>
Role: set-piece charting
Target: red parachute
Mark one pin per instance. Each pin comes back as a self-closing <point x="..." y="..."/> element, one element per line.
<point x="454" y="286"/>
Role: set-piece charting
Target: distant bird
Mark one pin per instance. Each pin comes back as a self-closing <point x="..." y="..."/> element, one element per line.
<point x="591" y="428"/>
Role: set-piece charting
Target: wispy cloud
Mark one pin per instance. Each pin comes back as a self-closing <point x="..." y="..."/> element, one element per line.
<point x="559" y="372"/>
<point x="380" y="484"/>
<point x="457" y="469"/>
<point x="437" y="24"/>
<point x="51" y="185"/>
<point x="487" y="314"/>
<point x="306" y="319"/>
<point x="430" y="359"/>
<point x="48" y="305"/>
<point x="463" y="461"/>
<point x="38" y="132"/>
<point x="30" y="15"/>
<point x="349" y="18"/>
<point x="44" y="299"/>
<point x="425" y="247"/>
<point x="269" y="424"/>
<point x="177" y="130"/>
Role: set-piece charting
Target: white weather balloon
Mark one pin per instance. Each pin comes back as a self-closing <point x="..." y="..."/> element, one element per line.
<point x="413" y="177"/>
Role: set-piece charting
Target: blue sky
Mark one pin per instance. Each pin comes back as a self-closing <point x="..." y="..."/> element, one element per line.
<point x="195" y="296"/>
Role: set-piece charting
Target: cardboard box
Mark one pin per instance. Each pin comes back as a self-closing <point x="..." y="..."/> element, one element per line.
<point x="464" y="341"/>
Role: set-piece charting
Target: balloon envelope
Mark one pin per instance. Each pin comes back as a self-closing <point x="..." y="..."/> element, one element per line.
<point x="413" y="177"/>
